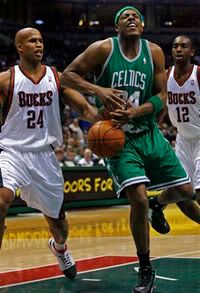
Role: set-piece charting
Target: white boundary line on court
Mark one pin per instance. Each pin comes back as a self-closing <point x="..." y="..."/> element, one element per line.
<point x="114" y="266"/>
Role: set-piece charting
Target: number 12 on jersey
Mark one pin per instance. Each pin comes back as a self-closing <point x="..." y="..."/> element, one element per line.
<point x="182" y="114"/>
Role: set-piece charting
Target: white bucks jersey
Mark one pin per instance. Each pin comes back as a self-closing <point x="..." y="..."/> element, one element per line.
<point x="184" y="104"/>
<point x="31" y="115"/>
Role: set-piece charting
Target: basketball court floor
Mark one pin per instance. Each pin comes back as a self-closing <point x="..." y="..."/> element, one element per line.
<point x="102" y="245"/>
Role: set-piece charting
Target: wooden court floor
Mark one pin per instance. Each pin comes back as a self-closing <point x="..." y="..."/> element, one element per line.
<point x="101" y="243"/>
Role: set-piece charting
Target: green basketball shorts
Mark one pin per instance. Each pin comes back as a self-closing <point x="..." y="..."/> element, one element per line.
<point x="146" y="158"/>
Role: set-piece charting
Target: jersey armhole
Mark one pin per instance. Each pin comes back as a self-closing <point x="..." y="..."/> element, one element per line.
<point x="168" y="71"/>
<point x="55" y="73"/>
<point x="198" y="75"/>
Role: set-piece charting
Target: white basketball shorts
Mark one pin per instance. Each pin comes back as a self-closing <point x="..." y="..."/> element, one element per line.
<point x="39" y="177"/>
<point x="188" y="151"/>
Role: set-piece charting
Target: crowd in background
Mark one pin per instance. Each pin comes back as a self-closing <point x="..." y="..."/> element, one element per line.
<point x="74" y="151"/>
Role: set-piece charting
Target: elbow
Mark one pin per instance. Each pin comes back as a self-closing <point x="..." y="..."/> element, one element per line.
<point x="64" y="78"/>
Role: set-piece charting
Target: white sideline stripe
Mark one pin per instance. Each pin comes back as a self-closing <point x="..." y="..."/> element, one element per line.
<point x="62" y="276"/>
<point x="91" y="280"/>
<point x="175" y="254"/>
<point x="157" y="276"/>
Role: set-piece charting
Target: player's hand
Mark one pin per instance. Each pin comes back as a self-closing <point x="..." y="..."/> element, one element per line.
<point x="124" y="116"/>
<point x="111" y="98"/>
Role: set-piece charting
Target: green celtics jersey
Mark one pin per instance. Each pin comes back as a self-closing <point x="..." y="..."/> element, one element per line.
<point x="134" y="77"/>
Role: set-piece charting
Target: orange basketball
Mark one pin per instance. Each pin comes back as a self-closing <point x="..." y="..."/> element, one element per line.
<point x="105" y="139"/>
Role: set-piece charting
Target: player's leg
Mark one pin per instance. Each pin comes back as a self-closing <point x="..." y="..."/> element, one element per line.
<point x="6" y="197"/>
<point x="11" y="178"/>
<point x="45" y="193"/>
<point x="156" y="216"/>
<point x="198" y="196"/>
<point x="57" y="244"/>
<point x="181" y="193"/>
<point x="196" y="178"/>
<point x="140" y="230"/>
<point x="172" y="178"/>
<point x="190" y="209"/>
<point x="188" y="151"/>
<point x="127" y="170"/>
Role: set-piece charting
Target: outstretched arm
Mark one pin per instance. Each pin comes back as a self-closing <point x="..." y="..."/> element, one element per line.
<point x="79" y="104"/>
<point x="94" y="56"/>
<point x="160" y="116"/>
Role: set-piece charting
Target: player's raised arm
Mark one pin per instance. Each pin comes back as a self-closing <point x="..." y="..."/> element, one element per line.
<point x="89" y="61"/>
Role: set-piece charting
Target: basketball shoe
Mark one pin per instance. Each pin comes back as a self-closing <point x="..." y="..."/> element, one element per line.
<point x="156" y="216"/>
<point x="65" y="260"/>
<point x="146" y="280"/>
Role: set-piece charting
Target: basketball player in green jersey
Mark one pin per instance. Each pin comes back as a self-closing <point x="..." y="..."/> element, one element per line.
<point x="129" y="67"/>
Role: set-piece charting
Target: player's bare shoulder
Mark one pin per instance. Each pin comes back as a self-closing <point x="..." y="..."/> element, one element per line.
<point x="5" y="78"/>
<point x="101" y="49"/>
<point x="155" y="50"/>
<point x="157" y="55"/>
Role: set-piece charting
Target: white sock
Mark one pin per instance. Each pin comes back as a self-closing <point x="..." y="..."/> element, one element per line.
<point x="60" y="246"/>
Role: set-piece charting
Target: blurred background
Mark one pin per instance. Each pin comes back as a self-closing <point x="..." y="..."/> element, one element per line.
<point x="68" y="27"/>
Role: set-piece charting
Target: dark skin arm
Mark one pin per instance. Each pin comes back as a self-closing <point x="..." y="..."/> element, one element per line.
<point x="164" y="112"/>
<point x="91" y="59"/>
<point x="160" y="84"/>
<point x="4" y="85"/>
<point x="160" y="116"/>
<point x="79" y="104"/>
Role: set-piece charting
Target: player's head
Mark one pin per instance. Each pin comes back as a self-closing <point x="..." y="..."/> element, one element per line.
<point x="182" y="49"/>
<point x="29" y="44"/>
<point x="129" y="22"/>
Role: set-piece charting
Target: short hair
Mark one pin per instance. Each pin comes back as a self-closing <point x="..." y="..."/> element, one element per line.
<point x="187" y="37"/>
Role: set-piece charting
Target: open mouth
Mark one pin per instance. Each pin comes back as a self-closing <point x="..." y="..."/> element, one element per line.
<point x="132" y="25"/>
<point x="179" y="57"/>
<point x="38" y="53"/>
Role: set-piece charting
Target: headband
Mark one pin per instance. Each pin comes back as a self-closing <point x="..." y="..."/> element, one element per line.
<point x="118" y="14"/>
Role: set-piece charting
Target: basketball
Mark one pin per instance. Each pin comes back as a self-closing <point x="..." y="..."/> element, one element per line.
<point x="105" y="139"/>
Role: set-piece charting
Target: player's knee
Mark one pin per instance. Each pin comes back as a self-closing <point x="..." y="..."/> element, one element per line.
<point x="140" y="203"/>
<point x="4" y="205"/>
<point x="186" y="191"/>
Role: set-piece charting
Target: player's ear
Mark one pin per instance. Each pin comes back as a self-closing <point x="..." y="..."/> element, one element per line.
<point x="116" y="29"/>
<point x="192" y="53"/>
<point x="19" y="47"/>
<point x="142" y="28"/>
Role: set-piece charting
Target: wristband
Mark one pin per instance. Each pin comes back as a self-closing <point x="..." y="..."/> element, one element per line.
<point x="157" y="103"/>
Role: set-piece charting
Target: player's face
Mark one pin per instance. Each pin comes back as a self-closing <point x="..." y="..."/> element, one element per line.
<point x="130" y="24"/>
<point x="32" y="46"/>
<point x="182" y="50"/>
